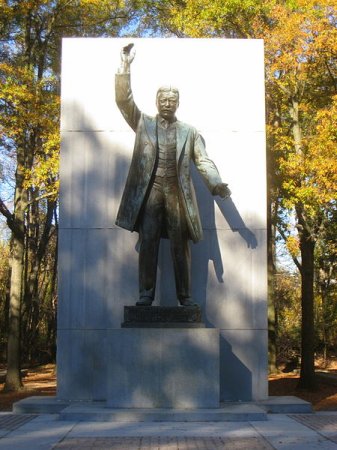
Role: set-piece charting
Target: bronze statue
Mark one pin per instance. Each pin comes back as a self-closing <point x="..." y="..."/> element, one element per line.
<point x="159" y="198"/>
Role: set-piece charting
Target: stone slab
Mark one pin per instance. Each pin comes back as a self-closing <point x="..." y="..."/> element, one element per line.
<point x="163" y="368"/>
<point x="99" y="412"/>
<point x="287" y="404"/>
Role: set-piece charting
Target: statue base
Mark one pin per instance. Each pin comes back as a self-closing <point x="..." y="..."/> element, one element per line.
<point x="163" y="368"/>
<point x="162" y="317"/>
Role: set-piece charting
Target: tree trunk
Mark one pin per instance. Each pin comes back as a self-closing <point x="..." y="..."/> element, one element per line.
<point x="307" y="247"/>
<point x="272" y="328"/>
<point x="16" y="223"/>
<point x="307" y="375"/>
<point x="271" y="252"/>
<point x="33" y="296"/>
<point x="13" y="377"/>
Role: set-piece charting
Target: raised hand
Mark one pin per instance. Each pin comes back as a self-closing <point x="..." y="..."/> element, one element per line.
<point x="127" y="56"/>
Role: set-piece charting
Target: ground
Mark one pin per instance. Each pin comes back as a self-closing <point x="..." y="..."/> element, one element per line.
<point x="324" y="398"/>
<point x="41" y="380"/>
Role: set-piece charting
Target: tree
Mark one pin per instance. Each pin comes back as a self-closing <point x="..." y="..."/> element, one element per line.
<point x="31" y="33"/>
<point x="326" y="251"/>
<point x="288" y="313"/>
<point x="4" y="294"/>
<point x="301" y="56"/>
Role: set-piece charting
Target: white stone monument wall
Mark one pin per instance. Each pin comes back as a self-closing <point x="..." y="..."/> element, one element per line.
<point x="221" y="84"/>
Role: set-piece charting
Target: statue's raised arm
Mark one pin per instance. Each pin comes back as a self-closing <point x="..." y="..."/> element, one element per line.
<point x="123" y="91"/>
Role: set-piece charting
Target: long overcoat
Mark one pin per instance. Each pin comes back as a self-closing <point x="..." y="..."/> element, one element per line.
<point x="190" y="146"/>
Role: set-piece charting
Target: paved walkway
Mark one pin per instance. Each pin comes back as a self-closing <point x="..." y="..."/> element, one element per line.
<point x="279" y="432"/>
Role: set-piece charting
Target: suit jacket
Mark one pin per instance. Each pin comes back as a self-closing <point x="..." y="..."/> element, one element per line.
<point x="190" y="146"/>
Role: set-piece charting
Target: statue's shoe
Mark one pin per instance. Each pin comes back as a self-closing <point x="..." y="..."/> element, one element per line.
<point x="144" y="301"/>
<point x="187" y="302"/>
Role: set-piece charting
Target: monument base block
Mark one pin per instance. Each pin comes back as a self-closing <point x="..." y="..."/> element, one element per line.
<point x="163" y="368"/>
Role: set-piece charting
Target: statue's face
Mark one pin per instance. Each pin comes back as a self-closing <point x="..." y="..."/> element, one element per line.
<point x="167" y="104"/>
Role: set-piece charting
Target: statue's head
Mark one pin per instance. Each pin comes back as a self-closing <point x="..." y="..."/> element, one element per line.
<point x="167" y="102"/>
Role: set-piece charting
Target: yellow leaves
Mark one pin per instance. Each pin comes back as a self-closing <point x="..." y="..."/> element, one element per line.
<point x="293" y="246"/>
<point x="29" y="99"/>
<point x="296" y="40"/>
<point x="30" y="119"/>
<point x="99" y="3"/>
<point x="281" y="142"/>
<point x="310" y="175"/>
<point x="4" y="267"/>
<point x="301" y="51"/>
<point x="211" y="18"/>
<point x="5" y="10"/>
<point x="28" y="103"/>
<point x="327" y="122"/>
<point x="44" y="173"/>
<point x="189" y="19"/>
<point x="29" y="5"/>
<point x="322" y="148"/>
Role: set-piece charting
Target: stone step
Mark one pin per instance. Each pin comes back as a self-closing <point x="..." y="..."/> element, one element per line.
<point x="287" y="404"/>
<point x="98" y="411"/>
<point x="229" y="413"/>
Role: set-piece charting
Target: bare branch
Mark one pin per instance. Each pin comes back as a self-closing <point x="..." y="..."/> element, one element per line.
<point x="41" y="197"/>
<point x="15" y="227"/>
<point x="5" y="211"/>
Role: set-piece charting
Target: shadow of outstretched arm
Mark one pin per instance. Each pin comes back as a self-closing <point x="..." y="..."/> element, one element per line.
<point x="235" y="221"/>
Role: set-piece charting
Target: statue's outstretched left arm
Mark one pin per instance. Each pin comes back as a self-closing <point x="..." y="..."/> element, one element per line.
<point x="208" y="169"/>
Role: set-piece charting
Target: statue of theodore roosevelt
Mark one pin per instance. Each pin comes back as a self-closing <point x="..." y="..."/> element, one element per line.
<point x="159" y="198"/>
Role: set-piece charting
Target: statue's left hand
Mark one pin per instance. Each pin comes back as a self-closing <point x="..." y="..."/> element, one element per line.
<point x="222" y="190"/>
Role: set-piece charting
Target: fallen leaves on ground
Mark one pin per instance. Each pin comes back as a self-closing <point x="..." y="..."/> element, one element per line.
<point x="323" y="398"/>
<point x="37" y="381"/>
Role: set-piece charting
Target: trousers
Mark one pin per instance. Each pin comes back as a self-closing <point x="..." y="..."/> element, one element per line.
<point x="163" y="209"/>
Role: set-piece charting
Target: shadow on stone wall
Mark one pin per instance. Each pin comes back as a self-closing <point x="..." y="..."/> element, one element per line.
<point x="236" y="378"/>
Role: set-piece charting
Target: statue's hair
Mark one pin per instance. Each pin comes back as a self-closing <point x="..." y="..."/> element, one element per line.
<point x="168" y="89"/>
